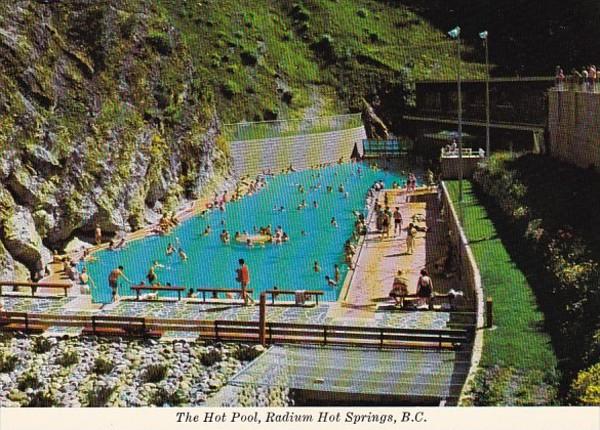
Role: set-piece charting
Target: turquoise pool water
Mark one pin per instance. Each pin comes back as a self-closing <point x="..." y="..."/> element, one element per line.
<point x="287" y="266"/>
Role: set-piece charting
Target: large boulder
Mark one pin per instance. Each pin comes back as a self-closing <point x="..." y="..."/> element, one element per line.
<point x="30" y="189"/>
<point x="22" y="239"/>
<point x="11" y="269"/>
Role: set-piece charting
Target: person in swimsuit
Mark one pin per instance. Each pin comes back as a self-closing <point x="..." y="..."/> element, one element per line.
<point x="151" y="276"/>
<point x="243" y="277"/>
<point x="337" y="276"/>
<point x="113" y="279"/>
<point x="397" y="221"/>
<point x="399" y="288"/>
<point x="425" y="288"/>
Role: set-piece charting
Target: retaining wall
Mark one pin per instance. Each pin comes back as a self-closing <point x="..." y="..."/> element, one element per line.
<point x="251" y="157"/>
<point x="471" y="281"/>
<point x="574" y="124"/>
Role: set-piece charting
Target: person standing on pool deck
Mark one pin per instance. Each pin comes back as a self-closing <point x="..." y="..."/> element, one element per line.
<point x="98" y="235"/>
<point x="397" y="221"/>
<point x="243" y="277"/>
<point x="113" y="279"/>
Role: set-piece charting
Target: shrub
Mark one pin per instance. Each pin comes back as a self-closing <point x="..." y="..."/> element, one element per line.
<point x="69" y="358"/>
<point x="155" y="372"/>
<point x="363" y="13"/>
<point x="374" y="37"/>
<point x="102" y="366"/>
<point x="42" y="399"/>
<point x="230" y="89"/>
<point x="300" y="13"/>
<point x="325" y="47"/>
<point x="8" y="362"/>
<point x="159" y="41"/>
<point x="249" y="58"/>
<point x="585" y="389"/>
<point x="42" y="345"/>
<point x="246" y="353"/>
<point x="28" y="380"/>
<point x="211" y="357"/>
<point x="98" y="396"/>
<point x="163" y="397"/>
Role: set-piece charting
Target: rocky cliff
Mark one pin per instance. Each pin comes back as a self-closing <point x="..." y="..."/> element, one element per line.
<point x="101" y="123"/>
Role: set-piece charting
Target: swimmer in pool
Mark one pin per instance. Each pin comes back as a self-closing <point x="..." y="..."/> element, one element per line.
<point x="170" y="249"/>
<point x="316" y="267"/>
<point x="224" y="236"/>
<point x="330" y="282"/>
<point x="333" y="222"/>
<point x="207" y="231"/>
<point x="182" y="254"/>
<point x="315" y="205"/>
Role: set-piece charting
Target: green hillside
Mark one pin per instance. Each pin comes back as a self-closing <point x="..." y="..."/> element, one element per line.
<point x="270" y="59"/>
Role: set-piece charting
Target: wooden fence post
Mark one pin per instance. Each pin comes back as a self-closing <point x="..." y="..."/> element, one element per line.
<point x="489" y="312"/>
<point x="262" y="319"/>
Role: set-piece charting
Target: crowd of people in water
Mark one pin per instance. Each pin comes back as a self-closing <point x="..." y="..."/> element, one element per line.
<point x="386" y="212"/>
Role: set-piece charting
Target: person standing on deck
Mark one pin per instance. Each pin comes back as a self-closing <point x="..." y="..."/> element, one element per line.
<point x="397" y="221"/>
<point x="113" y="279"/>
<point x="425" y="288"/>
<point x="98" y="235"/>
<point x="243" y="277"/>
<point x="411" y="233"/>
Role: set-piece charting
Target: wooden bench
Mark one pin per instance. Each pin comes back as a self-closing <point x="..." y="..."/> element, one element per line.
<point x="307" y="293"/>
<point x="155" y="288"/>
<point x="14" y="320"/>
<point x="437" y="298"/>
<point x="216" y="291"/>
<point x="35" y="285"/>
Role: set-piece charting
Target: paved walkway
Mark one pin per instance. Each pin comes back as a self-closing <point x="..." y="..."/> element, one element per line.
<point x="380" y="258"/>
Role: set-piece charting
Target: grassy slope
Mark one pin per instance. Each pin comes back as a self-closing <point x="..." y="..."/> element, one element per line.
<point x="372" y="42"/>
<point x="518" y="340"/>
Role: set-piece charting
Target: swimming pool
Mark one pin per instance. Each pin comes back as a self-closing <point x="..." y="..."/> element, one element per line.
<point x="288" y="266"/>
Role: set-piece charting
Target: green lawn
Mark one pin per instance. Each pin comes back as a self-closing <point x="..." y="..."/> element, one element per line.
<point x="519" y="340"/>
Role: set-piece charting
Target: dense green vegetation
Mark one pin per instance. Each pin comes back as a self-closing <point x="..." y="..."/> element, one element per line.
<point x="518" y="365"/>
<point x="269" y="59"/>
<point x="544" y="209"/>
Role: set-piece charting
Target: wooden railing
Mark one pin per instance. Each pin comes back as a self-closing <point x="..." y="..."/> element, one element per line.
<point x="247" y="331"/>
<point x="35" y="285"/>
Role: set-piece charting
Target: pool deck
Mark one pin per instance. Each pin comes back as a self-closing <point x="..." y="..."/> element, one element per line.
<point x="366" y="291"/>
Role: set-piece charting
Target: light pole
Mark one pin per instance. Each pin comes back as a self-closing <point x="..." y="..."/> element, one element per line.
<point x="455" y="34"/>
<point x="484" y="36"/>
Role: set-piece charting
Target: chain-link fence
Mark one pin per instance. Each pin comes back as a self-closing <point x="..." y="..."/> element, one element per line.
<point x="284" y="128"/>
